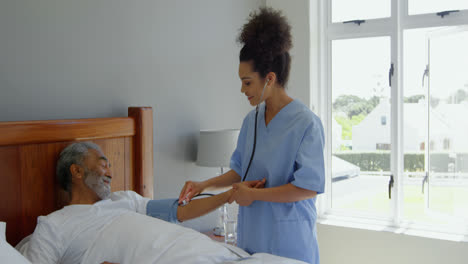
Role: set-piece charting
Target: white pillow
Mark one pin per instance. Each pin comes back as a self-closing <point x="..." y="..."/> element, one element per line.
<point x="2" y="231"/>
<point x="9" y="255"/>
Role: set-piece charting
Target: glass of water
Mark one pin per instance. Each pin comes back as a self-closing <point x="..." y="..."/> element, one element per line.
<point x="230" y="224"/>
<point x="230" y="232"/>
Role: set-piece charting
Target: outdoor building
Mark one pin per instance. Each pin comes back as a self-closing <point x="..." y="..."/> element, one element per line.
<point x="447" y="128"/>
<point x="337" y="131"/>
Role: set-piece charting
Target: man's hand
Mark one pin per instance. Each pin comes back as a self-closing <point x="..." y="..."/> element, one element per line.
<point x="190" y="189"/>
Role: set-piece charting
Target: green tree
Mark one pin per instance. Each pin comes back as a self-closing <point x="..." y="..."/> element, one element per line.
<point x="373" y="101"/>
<point x="353" y="105"/>
<point x="344" y="102"/>
<point x="347" y="125"/>
<point x="458" y="97"/>
<point x="356" y="109"/>
<point x="414" y="98"/>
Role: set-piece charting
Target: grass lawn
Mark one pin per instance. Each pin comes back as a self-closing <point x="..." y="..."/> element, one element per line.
<point x="444" y="201"/>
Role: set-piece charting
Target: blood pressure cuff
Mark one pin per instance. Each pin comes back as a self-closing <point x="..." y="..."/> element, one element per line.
<point x="165" y="209"/>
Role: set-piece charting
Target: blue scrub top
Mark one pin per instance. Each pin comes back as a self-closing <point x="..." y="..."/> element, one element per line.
<point x="289" y="150"/>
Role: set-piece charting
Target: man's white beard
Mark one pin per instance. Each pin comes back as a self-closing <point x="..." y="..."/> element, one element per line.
<point x="97" y="184"/>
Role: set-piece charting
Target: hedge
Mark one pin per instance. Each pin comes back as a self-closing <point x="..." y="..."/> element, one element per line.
<point x="380" y="160"/>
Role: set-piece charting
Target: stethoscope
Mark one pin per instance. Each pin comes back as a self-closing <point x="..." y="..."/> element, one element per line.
<point x="184" y="202"/>
<point x="255" y="132"/>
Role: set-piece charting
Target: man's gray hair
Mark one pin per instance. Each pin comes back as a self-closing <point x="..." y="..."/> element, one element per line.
<point x="72" y="154"/>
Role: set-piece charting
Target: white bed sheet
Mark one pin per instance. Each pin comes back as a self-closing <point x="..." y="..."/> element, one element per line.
<point x="135" y="238"/>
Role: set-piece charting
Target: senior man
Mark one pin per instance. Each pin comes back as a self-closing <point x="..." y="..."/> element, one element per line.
<point x="84" y="171"/>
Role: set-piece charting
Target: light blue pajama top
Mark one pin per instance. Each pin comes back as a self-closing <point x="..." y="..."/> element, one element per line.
<point x="289" y="150"/>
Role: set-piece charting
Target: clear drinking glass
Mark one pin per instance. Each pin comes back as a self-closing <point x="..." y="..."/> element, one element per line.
<point x="230" y="224"/>
<point x="230" y="232"/>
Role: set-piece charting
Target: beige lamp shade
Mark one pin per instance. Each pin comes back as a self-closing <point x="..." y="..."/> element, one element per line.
<point x="215" y="147"/>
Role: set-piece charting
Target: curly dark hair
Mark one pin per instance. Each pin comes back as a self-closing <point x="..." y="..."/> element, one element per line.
<point x="266" y="40"/>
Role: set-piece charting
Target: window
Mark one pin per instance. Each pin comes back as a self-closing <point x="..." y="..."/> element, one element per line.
<point x="383" y="120"/>
<point x="345" y="10"/>
<point x="394" y="82"/>
<point x="447" y="144"/>
<point x="434" y="6"/>
<point x="383" y="146"/>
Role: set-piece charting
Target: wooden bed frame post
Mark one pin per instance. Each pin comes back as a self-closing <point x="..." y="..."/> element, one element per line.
<point x="143" y="150"/>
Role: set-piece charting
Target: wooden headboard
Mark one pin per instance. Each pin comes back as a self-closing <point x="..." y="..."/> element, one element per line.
<point x="29" y="151"/>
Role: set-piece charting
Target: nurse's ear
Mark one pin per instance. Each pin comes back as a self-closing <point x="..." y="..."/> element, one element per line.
<point x="271" y="79"/>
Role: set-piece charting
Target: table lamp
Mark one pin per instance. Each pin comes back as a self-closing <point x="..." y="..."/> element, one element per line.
<point x="215" y="148"/>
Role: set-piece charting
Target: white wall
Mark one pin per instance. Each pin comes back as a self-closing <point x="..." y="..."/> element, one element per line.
<point x="94" y="58"/>
<point x="298" y="16"/>
<point x="342" y="245"/>
<point x="339" y="245"/>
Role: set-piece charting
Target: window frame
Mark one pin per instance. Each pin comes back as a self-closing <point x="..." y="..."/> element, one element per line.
<point x="393" y="27"/>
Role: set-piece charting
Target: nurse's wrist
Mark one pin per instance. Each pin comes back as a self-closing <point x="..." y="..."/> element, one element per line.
<point x="253" y="194"/>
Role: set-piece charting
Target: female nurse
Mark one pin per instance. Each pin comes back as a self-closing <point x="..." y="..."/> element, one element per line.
<point x="280" y="218"/>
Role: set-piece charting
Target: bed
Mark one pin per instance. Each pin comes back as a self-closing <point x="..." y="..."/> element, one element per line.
<point x="28" y="155"/>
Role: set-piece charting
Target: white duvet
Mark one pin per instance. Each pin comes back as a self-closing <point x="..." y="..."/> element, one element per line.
<point x="135" y="238"/>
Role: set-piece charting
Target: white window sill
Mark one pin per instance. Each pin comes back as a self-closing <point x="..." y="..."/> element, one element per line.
<point x="385" y="226"/>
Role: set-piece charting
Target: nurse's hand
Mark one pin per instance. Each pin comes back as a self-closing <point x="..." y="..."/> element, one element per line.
<point x="243" y="190"/>
<point x="254" y="184"/>
<point x="191" y="188"/>
<point x="242" y="194"/>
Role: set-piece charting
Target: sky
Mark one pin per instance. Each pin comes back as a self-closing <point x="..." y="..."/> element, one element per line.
<point x="360" y="66"/>
<point x="344" y="10"/>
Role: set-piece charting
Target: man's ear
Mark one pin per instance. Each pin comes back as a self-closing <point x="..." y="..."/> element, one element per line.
<point x="76" y="171"/>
